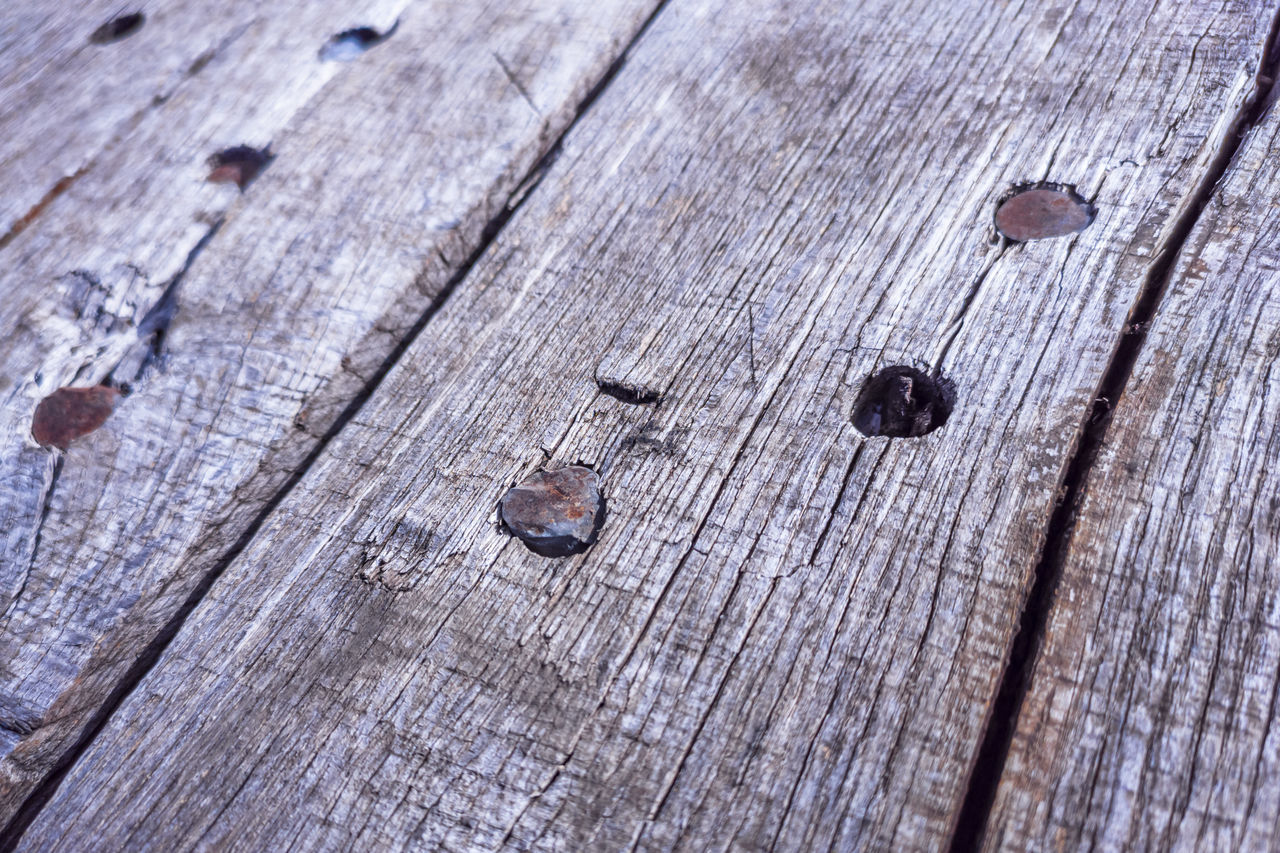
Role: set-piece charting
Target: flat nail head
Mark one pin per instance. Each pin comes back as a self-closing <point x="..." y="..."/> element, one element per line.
<point x="1040" y="211"/>
<point x="555" y="513"/>
<point x="69" y="413"/>
<point x="238" y="165"/>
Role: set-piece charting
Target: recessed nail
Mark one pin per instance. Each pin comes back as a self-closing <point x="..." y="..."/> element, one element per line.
<point x="903" y="402"/>
<point x="69" y="413"/>
<point x="555" y="513"/>
<point x="348" y="44"/>
<point x="118" y="28"/>
<point x="1039" y="211"/>
<point x="238" y="165"/>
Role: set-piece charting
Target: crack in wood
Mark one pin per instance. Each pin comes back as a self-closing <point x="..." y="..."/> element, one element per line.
<point x="39" y="207"/>
<point x="988" y="767"/>
<point x="11" y="834"/>
<point x="515" y="81"/>
<point x="46" y="504"/>
<point x="155" y="323"/>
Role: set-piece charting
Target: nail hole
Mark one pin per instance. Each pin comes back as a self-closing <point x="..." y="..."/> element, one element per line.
<point x="903" y="402"/>
<point x="555" y="513"/>
<point x="238" y="165"/>
<point x="635" y="395"/>
<point x="69" y="413"/>
<point x="118" y="28"/>
<point x="1042" y="210"/>
<point x="348" y="44"/>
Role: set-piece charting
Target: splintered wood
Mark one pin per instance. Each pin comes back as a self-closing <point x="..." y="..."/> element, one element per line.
<point x="811" y="413"/>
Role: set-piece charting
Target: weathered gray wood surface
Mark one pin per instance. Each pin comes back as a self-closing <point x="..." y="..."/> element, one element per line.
<point x="788" y="636"/>
<point x="64" y="101"/>
<point x="388" y="169"/>
<point x="1150" y="724"/>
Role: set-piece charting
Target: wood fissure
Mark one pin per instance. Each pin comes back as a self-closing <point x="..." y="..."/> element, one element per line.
<point x="11" y="834"/>
<point x="782" y="637"/>
<point x="46" y="503"/>
<point x="988" y="768"/>
<point x="155" y="322"/>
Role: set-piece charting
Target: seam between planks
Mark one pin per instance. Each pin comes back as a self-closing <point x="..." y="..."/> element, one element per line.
<point x="988" y="766"/>
<point x="11" y="835"/>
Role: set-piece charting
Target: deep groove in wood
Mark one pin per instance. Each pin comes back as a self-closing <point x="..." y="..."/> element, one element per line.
<point x="11" y="835"/>
<point x="988" y="767"/>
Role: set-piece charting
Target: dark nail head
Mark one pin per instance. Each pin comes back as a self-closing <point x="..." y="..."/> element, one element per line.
<point x="1040" y="211"/>
<point x="238" y="165"/>
<point x="118" y="28"/>
<point x="555" y="513"/>
<point x="69" y="413"/>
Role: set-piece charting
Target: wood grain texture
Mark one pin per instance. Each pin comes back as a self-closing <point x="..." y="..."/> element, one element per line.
<point x="67" y="101"/>
<point x="388" y="170"/>
<point x="82" y="277"/>
<point x="1150" y="721"/>
<point x="788" y="635"/>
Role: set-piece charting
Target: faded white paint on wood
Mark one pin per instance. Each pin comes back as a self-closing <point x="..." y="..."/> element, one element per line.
<point x="387" y="170"/>
<point x="788" y="636"/>
<point x="1150" y="722"/>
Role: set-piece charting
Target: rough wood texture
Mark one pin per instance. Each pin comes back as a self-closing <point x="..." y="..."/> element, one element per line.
<point x="67" y="101"/>
<point x="788" y="635"/>
<point x="388" y="169"/>
<point x="1150" y="722"/>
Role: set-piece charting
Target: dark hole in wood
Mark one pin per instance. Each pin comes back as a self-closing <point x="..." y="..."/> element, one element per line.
<point x="118" y="28"/>
<point x="633" y="394"/>
<point x="903" y="402"/>
<point x="1043" y="210"/>
<point x="349" y="44"/>
<point x="238" y="165"/>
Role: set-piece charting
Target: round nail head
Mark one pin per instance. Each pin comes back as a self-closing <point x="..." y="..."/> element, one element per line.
<point x="69" y="413"/>
<point x="555" y="513"/>
<point x="1043" y="211"/>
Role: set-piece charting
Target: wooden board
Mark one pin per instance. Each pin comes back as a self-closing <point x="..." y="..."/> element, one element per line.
<point x="68" y="101"/>
<point x="277" y="307"/>
<point x="1150" y="721"/>
<point x="788" y="635"/>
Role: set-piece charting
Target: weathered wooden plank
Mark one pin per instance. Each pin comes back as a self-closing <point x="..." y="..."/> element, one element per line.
<point x="81" y="277"/>
<point x="67" y="99"/>
<point x="788" y="635"/>
<point x="386" y="175"/>
<point x="1150" y="720"/>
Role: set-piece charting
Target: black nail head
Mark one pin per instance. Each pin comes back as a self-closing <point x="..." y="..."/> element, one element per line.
<point x="238" y="165"/>
<point x="118" y="28"/>
<point x="903" y="402"/>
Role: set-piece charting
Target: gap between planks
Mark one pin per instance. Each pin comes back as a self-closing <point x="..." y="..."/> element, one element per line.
<point x="988" y="766"/>
<point x="12" y="834"/>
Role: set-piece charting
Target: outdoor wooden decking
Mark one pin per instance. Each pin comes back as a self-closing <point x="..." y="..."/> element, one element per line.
<point x="268" y="604"/>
